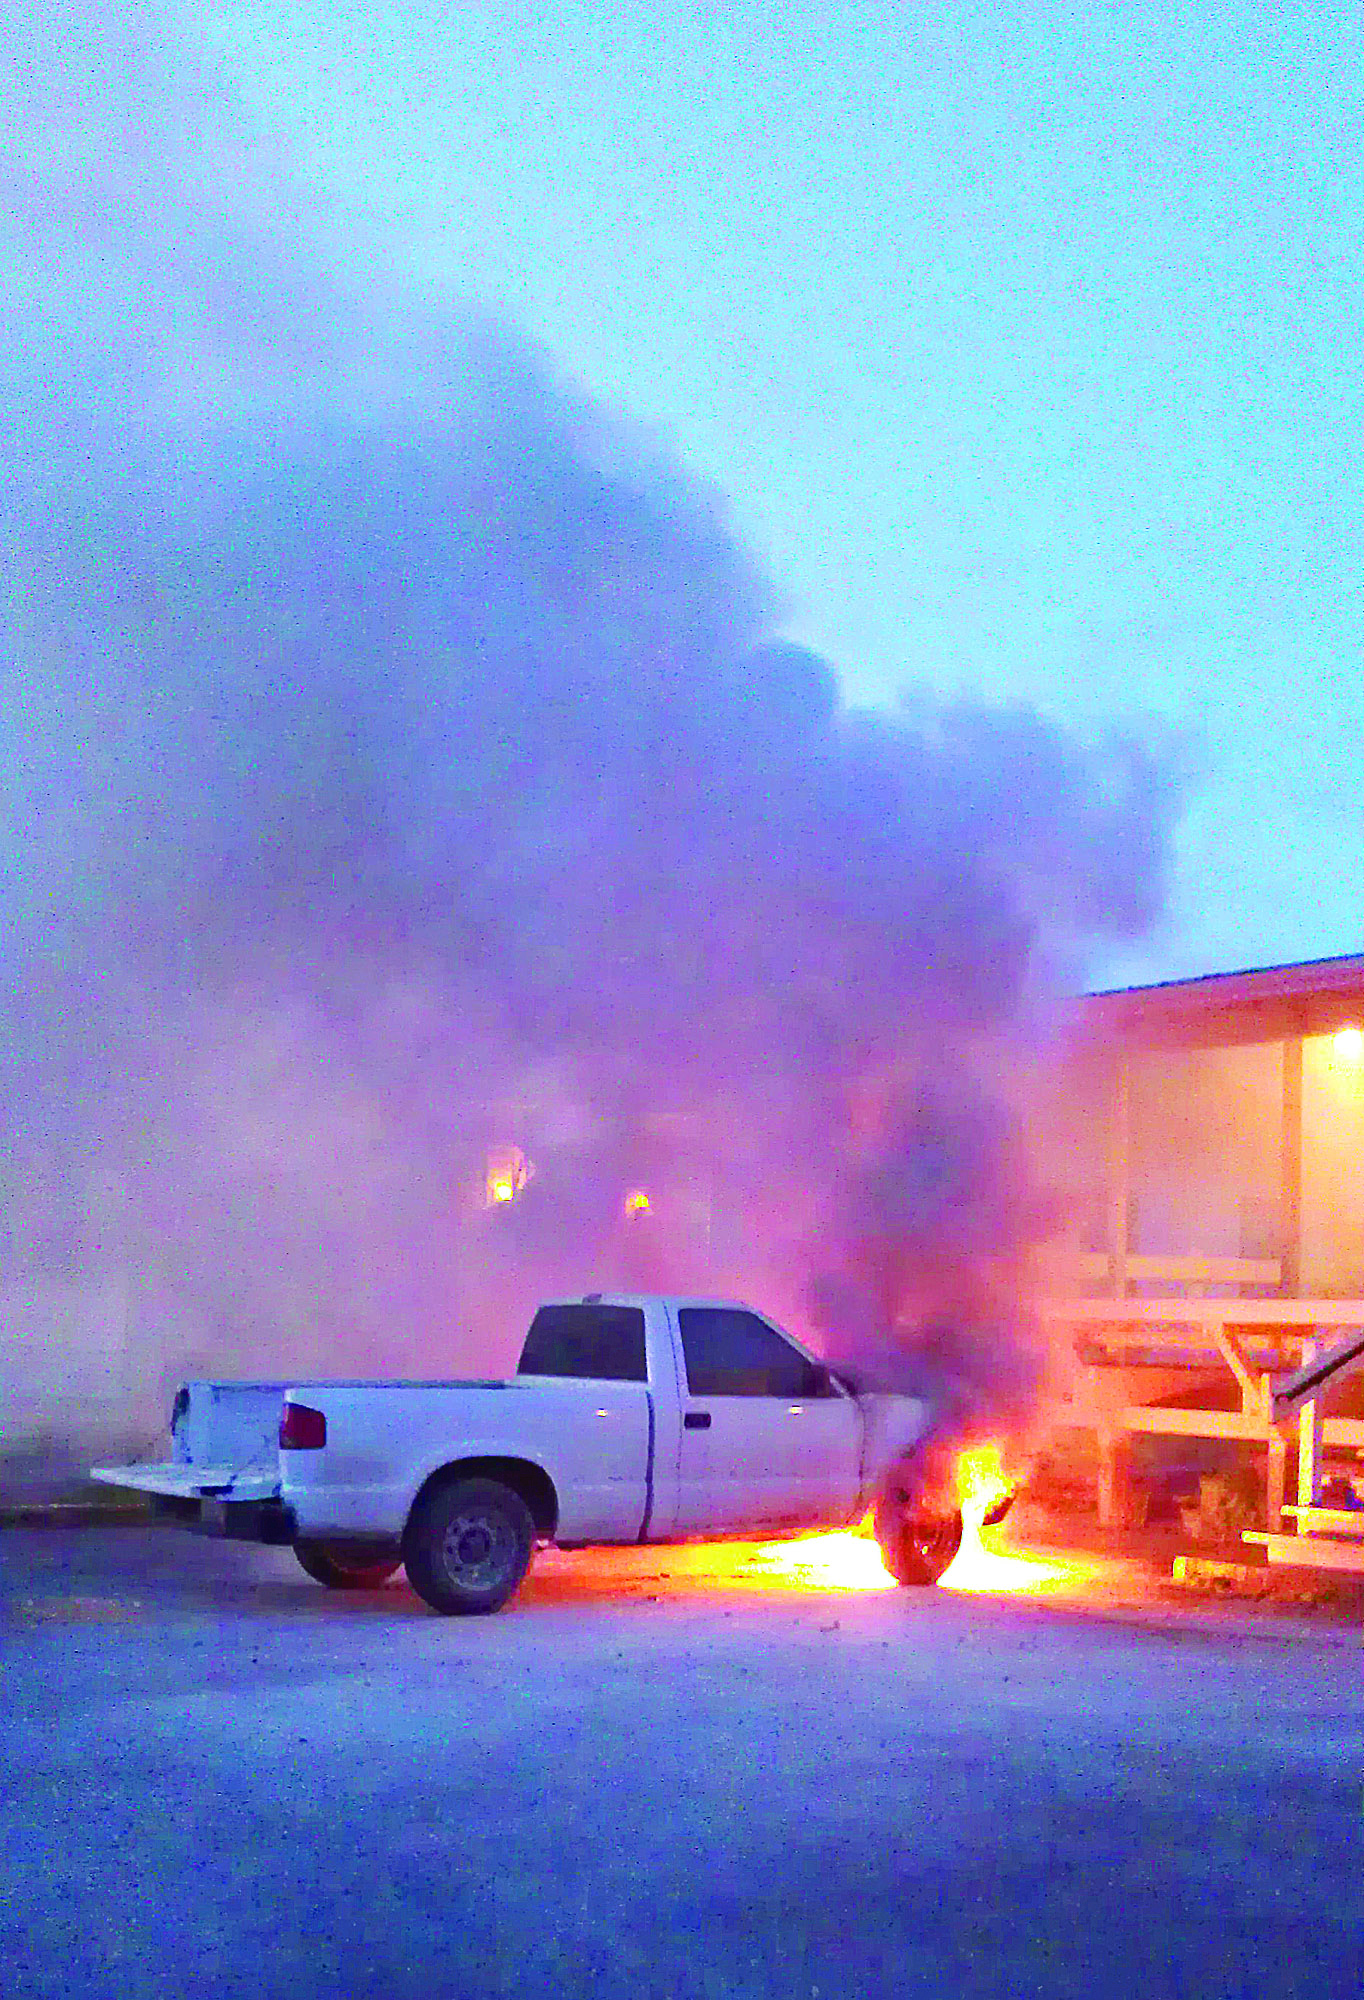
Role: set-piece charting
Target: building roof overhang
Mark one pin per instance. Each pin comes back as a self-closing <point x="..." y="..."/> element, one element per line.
<point x="1225" y="1009"/>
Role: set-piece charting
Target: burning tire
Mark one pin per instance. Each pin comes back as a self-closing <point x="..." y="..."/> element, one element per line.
<point x="468" y="1545"/>
<point x="342" y="1569"/>
<point x="915" y="1547"/>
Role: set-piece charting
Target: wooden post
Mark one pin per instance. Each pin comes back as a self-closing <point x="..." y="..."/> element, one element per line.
<point x="1115" y="1474"/>
<point x="1309" y="1446"/>
<point x="1290" y="1180"/>
<point x="1276" y="1478"/>
<point x="1114" y="1443"/>
<point x="1119" y="1177"/>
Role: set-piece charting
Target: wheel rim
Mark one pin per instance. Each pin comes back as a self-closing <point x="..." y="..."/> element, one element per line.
<point x="478" y="1550"/>
<point x="929" y="1541"/>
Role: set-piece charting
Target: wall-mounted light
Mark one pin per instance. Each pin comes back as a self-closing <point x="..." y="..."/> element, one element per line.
<point x="1348" y="1044"/>
<point x="505" y="1175"/>
<point x="636" y="1204"/>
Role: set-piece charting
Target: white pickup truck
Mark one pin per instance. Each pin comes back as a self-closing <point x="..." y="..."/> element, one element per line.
<point x="630" y="1419"/>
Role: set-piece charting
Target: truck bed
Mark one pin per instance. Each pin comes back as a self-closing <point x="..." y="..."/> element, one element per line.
<point x="592" y="1440"/>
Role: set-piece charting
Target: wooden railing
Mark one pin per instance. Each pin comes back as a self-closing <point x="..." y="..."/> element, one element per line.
<point x="1262" y="1342"/>
<point x="1115" y="1273"/>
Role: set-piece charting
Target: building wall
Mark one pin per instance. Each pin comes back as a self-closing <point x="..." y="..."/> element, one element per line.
<point x="1205" y="1166"/>
<point x="1204" y="1154"/>
<point x="96" y="1328"/>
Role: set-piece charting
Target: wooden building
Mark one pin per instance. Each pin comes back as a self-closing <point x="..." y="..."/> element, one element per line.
<point x="1213" y="1154"/>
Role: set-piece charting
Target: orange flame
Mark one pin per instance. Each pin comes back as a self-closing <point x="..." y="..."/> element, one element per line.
<point x="981" y="1484"/>
<point x="852" y="1561"/>
<point x="980" y="1481"/>
<point x="848" y="1560"/>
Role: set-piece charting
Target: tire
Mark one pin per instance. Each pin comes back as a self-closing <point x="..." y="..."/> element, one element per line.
<point x="341" y="1568"/>
<point x="916" y="1548"/>
<point x="468" y="1546"/>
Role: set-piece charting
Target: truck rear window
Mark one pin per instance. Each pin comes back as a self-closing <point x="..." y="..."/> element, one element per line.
<point x="602" y="1343"/>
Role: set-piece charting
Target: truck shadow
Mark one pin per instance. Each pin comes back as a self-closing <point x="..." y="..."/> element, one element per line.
<point x="559" y="1579"/>
<point x="699" y="1573"/>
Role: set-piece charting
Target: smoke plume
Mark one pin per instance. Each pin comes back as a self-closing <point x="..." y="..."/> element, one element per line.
<point x="402" y="761"/>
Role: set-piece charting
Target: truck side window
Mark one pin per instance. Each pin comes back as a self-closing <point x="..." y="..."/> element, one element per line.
<point x="601" y="1343"/>
<point x="733" y="1353"/>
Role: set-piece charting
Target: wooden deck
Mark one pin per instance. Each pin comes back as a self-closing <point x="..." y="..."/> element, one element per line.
<point x="1282" y="1355"/>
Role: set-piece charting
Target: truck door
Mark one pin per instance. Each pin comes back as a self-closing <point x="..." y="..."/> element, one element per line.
<point x="767" y="1439"/>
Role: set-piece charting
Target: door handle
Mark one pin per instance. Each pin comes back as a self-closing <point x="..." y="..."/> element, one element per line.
<point x="697" y="1420"/>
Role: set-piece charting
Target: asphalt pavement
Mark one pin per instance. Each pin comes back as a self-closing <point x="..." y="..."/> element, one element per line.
<point x="662" y="1774"/>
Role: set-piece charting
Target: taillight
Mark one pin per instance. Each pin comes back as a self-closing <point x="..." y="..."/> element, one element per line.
<point x="302" y="1428"/>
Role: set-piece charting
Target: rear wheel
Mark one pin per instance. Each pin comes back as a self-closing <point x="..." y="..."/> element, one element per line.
<point x="916" y="1548"/>
<point x="341" y="1568"/>
<point x="468" y="1546"/>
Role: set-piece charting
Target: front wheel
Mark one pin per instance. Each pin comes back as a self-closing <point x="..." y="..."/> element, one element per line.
<point x="468" y="1545"/>
<point x="917" y="1549"/>
<point x="341" y="1569"/>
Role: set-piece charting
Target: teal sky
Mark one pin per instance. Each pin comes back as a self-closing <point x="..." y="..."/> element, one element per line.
<point x="1025" y="342"/>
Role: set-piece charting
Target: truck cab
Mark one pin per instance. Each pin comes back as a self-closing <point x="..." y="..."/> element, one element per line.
<point x="751" y="1433"/>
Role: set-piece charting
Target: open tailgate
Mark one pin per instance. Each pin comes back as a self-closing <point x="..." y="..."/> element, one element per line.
<point x="223" y="1472"/>
<point x="170" y="1481"/>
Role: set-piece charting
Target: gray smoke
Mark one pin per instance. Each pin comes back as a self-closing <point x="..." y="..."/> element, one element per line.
<point x="401" y="760"/>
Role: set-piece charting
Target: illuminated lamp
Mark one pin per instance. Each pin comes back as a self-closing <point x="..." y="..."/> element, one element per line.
<point x="507" y="1171"/>
<point x="636" y="1203"/>
<point x="1349" y="1044"/>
